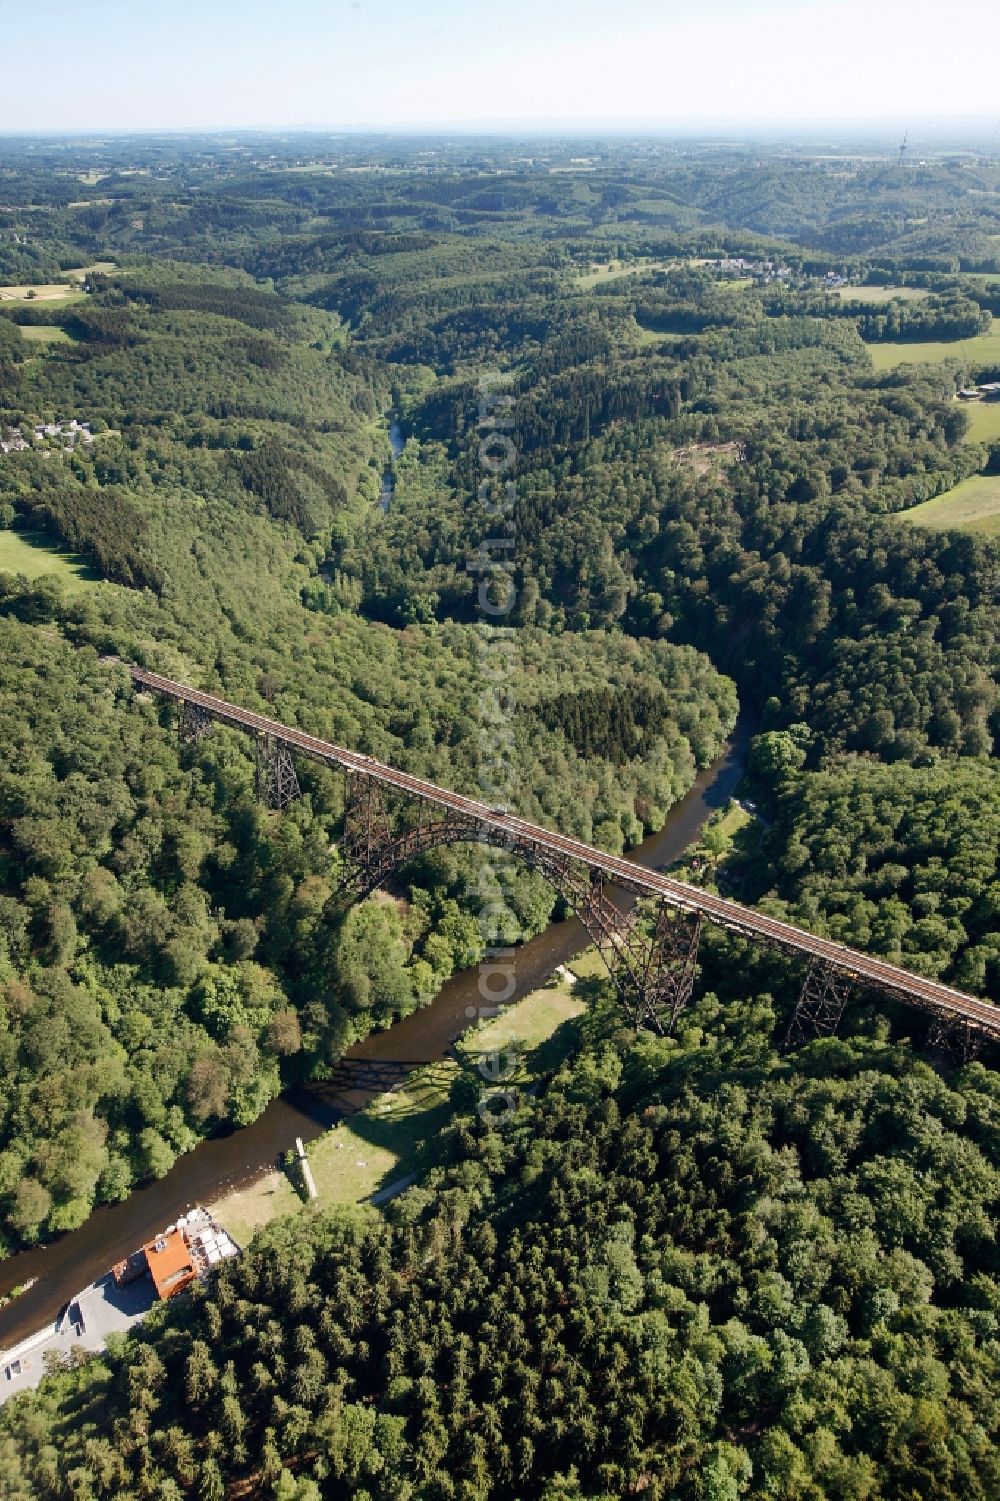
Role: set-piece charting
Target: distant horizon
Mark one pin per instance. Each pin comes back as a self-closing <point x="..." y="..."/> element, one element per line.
<point x="388" y="66"/>
<point x="749" y="127"/>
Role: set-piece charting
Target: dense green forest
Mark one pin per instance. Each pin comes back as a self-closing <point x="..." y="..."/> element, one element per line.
<point x="168" y="959"/>
<point x="691" y="1268"/>
<point x="697" y="1267"/>
<point x="181" y="936"/>
<point x="902" y="861"/>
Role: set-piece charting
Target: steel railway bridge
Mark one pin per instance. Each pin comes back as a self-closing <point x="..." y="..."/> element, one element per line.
<point x="650" y="949"/>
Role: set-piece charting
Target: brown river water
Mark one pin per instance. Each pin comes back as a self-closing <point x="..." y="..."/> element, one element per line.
<point x="229" y="1161"/>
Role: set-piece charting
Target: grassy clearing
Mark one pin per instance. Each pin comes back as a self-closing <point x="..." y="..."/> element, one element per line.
<point x="393" y="1138"/>
<point x="983" y="350"/>
<point x="728" y="823"/>
<point x="396" y="1136"/>
<point x="80" y="273"/>
<point x="43" y="292"/>
<point x="43" y="333"/>
<point x="31" y="554"/>
<point x="535" y="1026"/>
<point x="882" y="294"/>
<point x="972" y="506"/>
<point x="714" y="843"/>
<point x="653" y="336"/>
<point x="589" y="966"/>
<point x="984" y="421"/>
<point x="611" y="270"/>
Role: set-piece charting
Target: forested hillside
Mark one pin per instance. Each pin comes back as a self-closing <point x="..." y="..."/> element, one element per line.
<point x="904" y="861"/>
<point x="693" y="1269"/>
<point x="168" y="957"/>
<point x="700" y="1267"/>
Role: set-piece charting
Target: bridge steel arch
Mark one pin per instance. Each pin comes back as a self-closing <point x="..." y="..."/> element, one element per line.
<point x="653" y="965"/>
<point x="651" y="961"/>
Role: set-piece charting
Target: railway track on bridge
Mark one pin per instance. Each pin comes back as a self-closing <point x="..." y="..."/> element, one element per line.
<point x="943" y="1001"/>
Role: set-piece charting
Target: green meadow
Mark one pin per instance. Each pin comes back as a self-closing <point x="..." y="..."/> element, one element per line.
<point x="80" y="273"/>
<point x="984" y="349"/>
<point x="881" y="294"/>
<point x="984" y="421"/>
<point x="47" y="292"/>
<point x="44" y="333"/>
<point x="654" y="336"/>
<point x="611" y="270"/>
<point x="972" y="506"/>
<point x="31" y="555"/>
<point x="395" y="1139"/>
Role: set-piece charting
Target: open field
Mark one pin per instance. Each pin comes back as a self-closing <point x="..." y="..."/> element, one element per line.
<point x="532" y="1024"/>
<point x="984" y="421"/>
<point x="611" y="270"/>
<point x="653" y="336"/>
<point x="984" y="349"/>
<point x="56" y="291"/>
<point x="603" y="271"/>
<point x="44" y="333"/>
<point x="589" y="965"/>
<point x="392" y="1139"/>
<point x="32" y="555"/>
<point x="80" y="273"/>
<point x="972" y="506"/>
<point x="395" y="1139"/>
<point x="881" y="294"/>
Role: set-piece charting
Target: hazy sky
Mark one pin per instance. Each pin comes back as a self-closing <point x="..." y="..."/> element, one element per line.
<point x="128" y="64"/>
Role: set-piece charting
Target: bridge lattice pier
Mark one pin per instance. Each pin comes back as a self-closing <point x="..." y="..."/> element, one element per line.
<point x="652" y="960"/>
<point x="653" y="963"/>
<point x="277" y="779"/>
<point x="822" y="999"/>
<point x="195" y="723"/>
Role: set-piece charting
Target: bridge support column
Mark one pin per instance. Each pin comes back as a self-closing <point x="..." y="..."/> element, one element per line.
<point x="671" y="968"/>
<point x="277" y="783"/>
<point x="653" y="972"/>
<point x="953" y="1034"/>
<point x="367" y="828"/>
<point x="820" y="1006"/>
<point x="195" y="723"/>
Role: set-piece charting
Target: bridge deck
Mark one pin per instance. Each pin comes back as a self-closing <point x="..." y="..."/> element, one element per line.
<point x="865" y="968"/>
